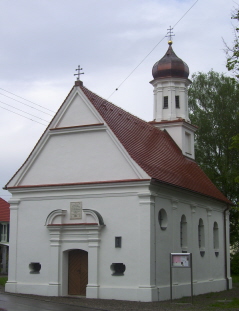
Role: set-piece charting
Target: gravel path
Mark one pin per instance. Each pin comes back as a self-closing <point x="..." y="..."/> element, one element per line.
<point x="201" y="302"/>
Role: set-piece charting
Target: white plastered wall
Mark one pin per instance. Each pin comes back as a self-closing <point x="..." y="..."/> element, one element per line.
<point x="34" y="242"/>
<point x="77" y="111"/>
<point x="170" y="87"/>
<point x="129" y="211"/>
<point x="82" y="156"/>
<point x="209" y="270"/>
<point x="183" y="135"/>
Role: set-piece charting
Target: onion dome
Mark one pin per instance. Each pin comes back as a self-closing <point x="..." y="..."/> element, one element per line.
<point x="170" y="66"/>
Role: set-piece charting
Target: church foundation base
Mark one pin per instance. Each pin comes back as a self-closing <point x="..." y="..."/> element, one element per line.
<point x="28" y="288"/>
<point x="92" y="291"/>
<point x="148" y="294"/>
<point x="184" y="290"/>
<point x="144" y="294"/>
<point x="53" y="289"/>
<point x="129" y="293"/>
<point x="11" y="287"/>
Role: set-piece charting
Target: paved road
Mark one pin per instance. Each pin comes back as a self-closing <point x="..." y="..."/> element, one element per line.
<point x="17" y="303"/>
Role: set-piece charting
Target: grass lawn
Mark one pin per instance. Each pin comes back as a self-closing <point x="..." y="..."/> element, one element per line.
<point x="229" y="304"/>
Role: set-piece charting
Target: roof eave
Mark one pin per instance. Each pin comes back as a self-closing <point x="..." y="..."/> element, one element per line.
<point x="225" y="201"/>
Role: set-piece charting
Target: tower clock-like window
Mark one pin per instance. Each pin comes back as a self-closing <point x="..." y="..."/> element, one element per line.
<point x="177" y="105"/>
<point x="165" y="102"/>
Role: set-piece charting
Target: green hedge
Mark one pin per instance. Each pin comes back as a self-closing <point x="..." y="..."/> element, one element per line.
<point x="235" y="264"/>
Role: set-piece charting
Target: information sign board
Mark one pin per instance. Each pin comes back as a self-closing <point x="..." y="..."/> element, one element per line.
<point x="180" y="260"/>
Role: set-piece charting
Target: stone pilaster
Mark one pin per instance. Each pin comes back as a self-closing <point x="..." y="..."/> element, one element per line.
<point x="11" y="285"/>
<point x="147" y="268"/>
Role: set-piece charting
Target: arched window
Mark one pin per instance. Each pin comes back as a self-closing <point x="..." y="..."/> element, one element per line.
<point x="163" y="219"/>
<point x="201" y="237"/>
<point x="183" y="232"/>
<point x="215" y="238"/>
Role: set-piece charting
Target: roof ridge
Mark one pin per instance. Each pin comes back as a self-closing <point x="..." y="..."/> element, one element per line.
<point x="108" y="102"/>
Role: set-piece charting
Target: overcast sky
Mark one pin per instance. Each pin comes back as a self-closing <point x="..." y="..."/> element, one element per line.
<point x="43" y="42"/>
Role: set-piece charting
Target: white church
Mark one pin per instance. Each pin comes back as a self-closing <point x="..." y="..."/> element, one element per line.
<point x="104" y="198"/>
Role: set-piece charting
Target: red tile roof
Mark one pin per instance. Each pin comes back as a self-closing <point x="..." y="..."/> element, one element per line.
<point x="154" y="150"/>
<point x="4" y="211"/>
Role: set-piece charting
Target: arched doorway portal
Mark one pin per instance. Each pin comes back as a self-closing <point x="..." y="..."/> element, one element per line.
<point x="77" y="272"/>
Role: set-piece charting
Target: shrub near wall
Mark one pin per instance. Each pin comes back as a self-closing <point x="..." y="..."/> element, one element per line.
<point x="3" y="280"/>
<point x="235" y="264"/>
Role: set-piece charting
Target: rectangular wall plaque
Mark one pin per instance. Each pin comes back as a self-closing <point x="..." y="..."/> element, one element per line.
<point x="76" y="210"/>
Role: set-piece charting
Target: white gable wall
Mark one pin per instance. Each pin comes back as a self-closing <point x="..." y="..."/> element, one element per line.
<point x="79" y="156"/>
<point x="77" y="111"/>
<point x="77" y="147"/>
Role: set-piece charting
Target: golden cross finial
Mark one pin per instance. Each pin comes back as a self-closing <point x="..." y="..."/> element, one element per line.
<point x="170" y="35"/>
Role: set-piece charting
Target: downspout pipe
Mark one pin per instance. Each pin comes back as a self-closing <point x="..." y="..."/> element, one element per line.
<point x="225" y="244"/>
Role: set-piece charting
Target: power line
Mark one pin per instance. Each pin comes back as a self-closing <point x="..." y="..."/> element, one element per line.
<point x="27" y="105"/>
<point x="185" y="13"/>
<point x="24" y="111"/>
<point x="23" y="116"/>
<point x="27" y="100"/>
<point x="107" y="98"/>
<point x="151" y="51"/>
<point x="136" y="67"/>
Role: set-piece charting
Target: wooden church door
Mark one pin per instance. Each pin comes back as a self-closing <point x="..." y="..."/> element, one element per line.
<point x="77" y="272"/>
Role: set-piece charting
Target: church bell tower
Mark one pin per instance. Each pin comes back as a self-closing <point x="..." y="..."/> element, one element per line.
<point x="170" y="84"/>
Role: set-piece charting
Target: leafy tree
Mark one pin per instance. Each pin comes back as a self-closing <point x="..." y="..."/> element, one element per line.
<point x="233" y="53"/>
<point x="214" y="107"/>
<point x="233" y="65"/>
<point x="235" y="144"/>
<point x="235" y="212"/>
<point x="235" y="264"/>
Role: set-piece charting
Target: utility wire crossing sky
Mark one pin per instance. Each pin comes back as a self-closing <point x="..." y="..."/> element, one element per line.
<point x="44" y="41"/>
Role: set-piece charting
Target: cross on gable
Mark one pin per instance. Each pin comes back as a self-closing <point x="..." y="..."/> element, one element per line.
<point x="78" y="73"/>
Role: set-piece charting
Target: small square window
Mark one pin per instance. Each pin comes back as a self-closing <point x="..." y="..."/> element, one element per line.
<point x="118" y="269"/>
<point x="34" y="267"/>
<point x="118" y="241"/>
